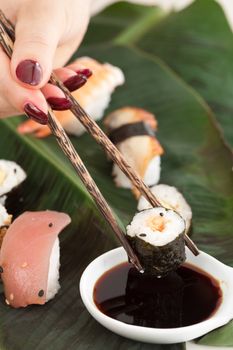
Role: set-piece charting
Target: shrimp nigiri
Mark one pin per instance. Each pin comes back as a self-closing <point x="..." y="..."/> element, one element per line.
<point x="94" y="97"/>
<point x="133" y="131"/>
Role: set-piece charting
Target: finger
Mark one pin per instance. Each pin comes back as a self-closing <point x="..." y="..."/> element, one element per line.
<point x="37" y="36"/>
<point x="80" y="69"/>
<point x="6" y="110"/>
<point x="21" y="99"/>
<point x="71" y="79"/>
<point x="56" y="98"/>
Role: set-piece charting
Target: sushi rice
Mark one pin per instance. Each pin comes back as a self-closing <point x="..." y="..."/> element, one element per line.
<point x="155" y="229"/>
<point x="5" y="218"/>
<point x="170" y="198"/>
<point x="53" y="276"/>
<point x="11" y="176"/>
<point x="152" y="174"/>
<point x="5" y="221"/>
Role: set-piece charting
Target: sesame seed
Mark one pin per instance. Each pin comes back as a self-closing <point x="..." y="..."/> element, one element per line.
<point x="1" y="269"/>
<point x="24" y="264"/>
<point x="51" y="224"/>
<point x="7" y="302"/>
<point x="15" y="170"/>
<point x="142" y="235"/>
<point x="11" y="296"/>
<point x="41" y="293"/>
<point x="161" y="214"/>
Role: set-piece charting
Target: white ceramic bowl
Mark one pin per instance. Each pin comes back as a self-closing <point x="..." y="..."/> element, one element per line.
<point x="204" y="261"/>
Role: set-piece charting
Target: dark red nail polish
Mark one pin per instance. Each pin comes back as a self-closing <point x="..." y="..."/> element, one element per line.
<point x="35" y="113"/>
<point x="75" y="82"/>
<point x="86" y="72"/>
<point x="59" y="104"/>
<point x="29" y="72"/>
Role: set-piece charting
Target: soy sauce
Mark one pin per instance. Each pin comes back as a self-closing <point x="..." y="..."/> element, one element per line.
<point x="182" y="298"/>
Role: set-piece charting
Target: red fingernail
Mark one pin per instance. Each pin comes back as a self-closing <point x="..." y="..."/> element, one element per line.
<point x="29" y="72"/>
<point x="35" y="113"/>
<point x="59" y="104"/>
<point x="87" y="72"/>
<point x="75" y="82"/>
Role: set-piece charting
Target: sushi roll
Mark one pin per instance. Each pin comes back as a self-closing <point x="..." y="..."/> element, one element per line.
<point x="11" y="178"/>
<point x="94" y="97"/>
<point x="5" y="221"/>
<point x="132" y="130"/>
<point x="170" y="198"/>
<point x="29" y="258"/>
<point x="157" y="236"/>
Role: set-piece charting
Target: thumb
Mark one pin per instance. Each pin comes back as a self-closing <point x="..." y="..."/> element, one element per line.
<point x="37" y="36"/>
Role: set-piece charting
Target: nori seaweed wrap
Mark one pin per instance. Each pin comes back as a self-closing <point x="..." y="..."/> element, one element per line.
<point x="157" y="236"/>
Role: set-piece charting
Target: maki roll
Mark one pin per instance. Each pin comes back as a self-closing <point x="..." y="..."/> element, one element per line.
<point x="11" y="179"/>
<point x="29" y="258"/>
<point x="94" y="97"/>
<point x="170" y="198"/>
<point x="157" y="236"/>
<point x="5" y="221"/>
<point x="11" y="176"/>
<point x="132" y="130"/>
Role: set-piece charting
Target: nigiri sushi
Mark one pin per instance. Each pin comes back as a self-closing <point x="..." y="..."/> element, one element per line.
<point x="133" y="132"/>
<point x="94" y="97"/>
<point x="5" y="221"/>
<point x="29" y="258"/>
<point x="170" y="198"/>
<point x="157" y="236"/>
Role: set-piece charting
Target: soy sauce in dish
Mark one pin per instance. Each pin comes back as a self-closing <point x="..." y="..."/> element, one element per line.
<point x="182" y="298"/>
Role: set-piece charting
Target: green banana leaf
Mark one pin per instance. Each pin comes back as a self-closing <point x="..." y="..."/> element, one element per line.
<point x="198" y="44"/>
<point x="203" y="48"/>
<point x="122" y="23"/>
<point x="196" y="160"/>
<point x="114" y="21"/>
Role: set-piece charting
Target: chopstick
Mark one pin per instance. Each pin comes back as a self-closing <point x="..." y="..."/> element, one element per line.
<point x="100" y="137"/>
<point x="69" y="150"/>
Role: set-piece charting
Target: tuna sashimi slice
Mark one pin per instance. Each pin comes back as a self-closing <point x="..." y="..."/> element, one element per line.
<point x="25" y="256"/>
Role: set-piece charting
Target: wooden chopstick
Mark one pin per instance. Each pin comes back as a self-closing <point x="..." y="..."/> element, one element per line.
<point x="101" y="138"/>
<point x="69" y="150"/>
<point x="95" y="131"/>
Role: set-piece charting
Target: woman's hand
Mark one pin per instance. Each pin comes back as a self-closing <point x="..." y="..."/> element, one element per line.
<point x="47" y="34"/>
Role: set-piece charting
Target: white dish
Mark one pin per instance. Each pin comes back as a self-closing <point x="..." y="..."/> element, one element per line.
<point x="204" y="261"/>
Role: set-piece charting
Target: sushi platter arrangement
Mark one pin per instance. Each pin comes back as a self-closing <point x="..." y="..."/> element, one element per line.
<point x="158" y="287"/>
<point x="159" y="221"/>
